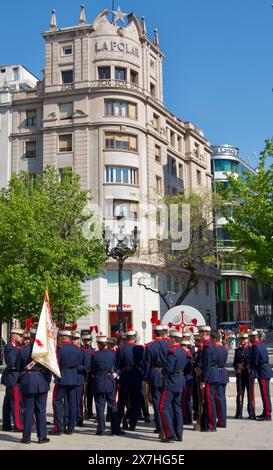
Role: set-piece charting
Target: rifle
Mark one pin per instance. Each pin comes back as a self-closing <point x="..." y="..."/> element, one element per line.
<point x="200" y="394"/>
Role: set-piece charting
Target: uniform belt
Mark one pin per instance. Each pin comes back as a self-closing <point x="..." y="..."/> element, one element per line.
<point x="11" y="368"/>
<point x="157" y="365"/>
<point x="102" y="373"/>
<point x="176" y="372"/>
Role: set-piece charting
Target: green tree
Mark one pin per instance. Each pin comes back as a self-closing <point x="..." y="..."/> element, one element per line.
<point x="250" y="223"/>
<point x="42" y="243"/>
<point x="198" y="258"/>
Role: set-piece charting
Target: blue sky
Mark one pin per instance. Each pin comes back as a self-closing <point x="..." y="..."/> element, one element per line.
<point x="219" y="57"/>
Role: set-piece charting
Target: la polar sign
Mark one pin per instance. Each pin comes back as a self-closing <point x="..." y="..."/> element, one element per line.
<point x="114" y="46"/>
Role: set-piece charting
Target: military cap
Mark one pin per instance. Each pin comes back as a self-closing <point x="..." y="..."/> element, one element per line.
<point x="253" y="333"/>
<point x="205" y="328"/>
<point x="86" y="337"/>
<point x="17" y="331"/>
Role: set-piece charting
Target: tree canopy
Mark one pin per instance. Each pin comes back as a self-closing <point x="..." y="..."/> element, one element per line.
<point x="42" y="243"/>
<point x="250" y="223"/>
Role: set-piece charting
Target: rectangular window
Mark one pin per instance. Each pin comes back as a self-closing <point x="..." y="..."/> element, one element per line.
<point x="120" y="108"/>
<point x="112" y="278"/>
<point x="121" y="175"/>
<point x="157" y="153"/>
<point x="31" y="117"/>
<point x="104" y="73"/>
<point x="198" y="177"/>
<point x="172" y="138"/>
<point x="67" y="76"/>
<point x="134" y="77"/>
<point x="158" y="184"/>
<point x="172" y="166"/>
<point x="67" y="50"/>
<point x="126" y="208"/>
<point x="66" y="110"/>
<point x="120" y="141"/>
<point x="196" y="150"/>
<point x="30" y="149"/>
<point x="207" y="288"/>
<point x="15" y="73"/>
<point x="120" y="73"/>
<point x="65" y="143"/>
<point x="156" y="121"/>
<point x="180" y="171"/>
<point x="152" y="89"/>
<point x="153" y="281"/>
<point x="179" y="144"/>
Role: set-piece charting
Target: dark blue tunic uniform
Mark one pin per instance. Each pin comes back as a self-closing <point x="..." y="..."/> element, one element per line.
<point x="35" y="384"/>
<point x="243" y="382"/>
<point x="12" y="405"/>
<point x="154" y="359"/>
<point x="209" y="377"/>
<point x="220" y="387"/>
<point x="173" y="386"/>
<point x="129" y="362"/>
<point x="72" y="362"/>
<point x="187" y="393"/>
<point x="260" y="368"/>
<point x="89" y="386"/>
<point x="103" y="364"/>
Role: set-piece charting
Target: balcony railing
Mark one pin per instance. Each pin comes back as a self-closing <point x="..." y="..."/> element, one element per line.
<point x="112" y="83"/>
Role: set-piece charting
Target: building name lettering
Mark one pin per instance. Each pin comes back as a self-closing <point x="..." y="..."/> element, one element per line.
<point x="114" y="46"/>
<point x="227" y="150"/>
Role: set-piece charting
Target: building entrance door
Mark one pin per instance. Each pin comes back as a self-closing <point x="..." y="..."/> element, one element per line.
<point x="114" y="321"/>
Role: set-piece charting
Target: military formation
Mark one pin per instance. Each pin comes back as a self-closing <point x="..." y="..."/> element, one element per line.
<point x="183" y="378"/>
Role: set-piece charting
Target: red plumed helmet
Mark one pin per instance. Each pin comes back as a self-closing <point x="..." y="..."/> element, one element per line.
<point x="29" y="322"/>
<point x="170" y="324"/>
<point x="158" y="322"/>
<point x="153" y="321"/>
<point x="244" y="327"/>
<point x="117" y="335"/>
<point x="57" y="325"/>
<point x="67" y="328"/>
<point x="74" y="326"/>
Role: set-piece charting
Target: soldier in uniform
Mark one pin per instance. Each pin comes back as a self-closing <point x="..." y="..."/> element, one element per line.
<point x="12" y="406"/>
<point x="35" y="383"/>
<point x="76" y="341"/>
<point x="196" y="377"/>
<point x="173" y="387"/>
<point x="112" y="344"/>
<point x="103" y="366"/>
<point x="129" y="362"/>
<point x="220" y="387"/>
<point x="154" y="358"/>
<point x="188" y="374"/>
<point x="89" y="394"/>
<point x="260" y="369"/>
<point x="209" y="378"/>
<point x="72" y="361"/>
<point x="241" y="366"/>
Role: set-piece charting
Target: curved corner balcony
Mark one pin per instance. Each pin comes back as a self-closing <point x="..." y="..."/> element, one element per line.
<point x="117" y="84"/>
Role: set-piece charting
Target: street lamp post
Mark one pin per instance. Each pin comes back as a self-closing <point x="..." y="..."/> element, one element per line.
<point x="120" y="247"/>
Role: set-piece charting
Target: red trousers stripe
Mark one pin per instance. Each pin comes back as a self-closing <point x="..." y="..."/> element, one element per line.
<point x="218" y="409"/>
<point x="210" y="415"/>
<point x="266" y="401"/>
<point x="17" y="407"/>
<point x="164" y="420"/>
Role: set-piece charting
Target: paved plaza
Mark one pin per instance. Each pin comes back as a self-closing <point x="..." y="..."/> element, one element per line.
<point x="240" y="434"/>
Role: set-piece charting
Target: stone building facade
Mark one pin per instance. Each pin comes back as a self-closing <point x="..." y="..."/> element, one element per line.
<point x="100" y="111"/>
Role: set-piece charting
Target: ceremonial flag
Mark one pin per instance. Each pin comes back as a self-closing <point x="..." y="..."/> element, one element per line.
<point x="44" y="349"/>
